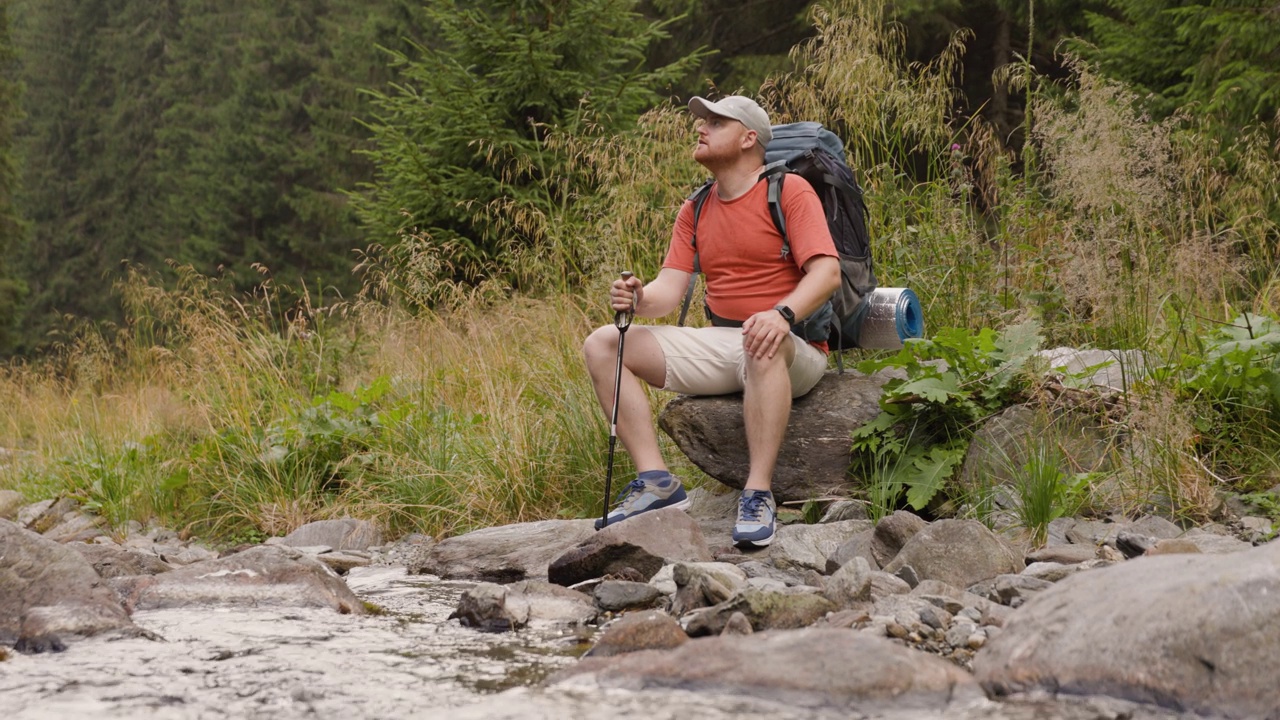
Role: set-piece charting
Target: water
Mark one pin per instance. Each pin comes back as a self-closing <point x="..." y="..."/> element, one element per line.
<point x="283" y="663"/>
<point x="409" y="662"/>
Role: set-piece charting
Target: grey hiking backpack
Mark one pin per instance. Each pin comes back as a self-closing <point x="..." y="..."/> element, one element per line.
<point x="816" y="154"/>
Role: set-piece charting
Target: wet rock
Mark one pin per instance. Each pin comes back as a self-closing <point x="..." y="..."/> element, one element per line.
<point x="633" y="632"/>
<point x="892" y="532"/>
<point x="809" y="546"/>
<point x="644" y="543"/>
<point x="340" y="534"/>
<point x="764" y="609"/>
<point x="543" y="602"/>
<point x="49" y="592"/>
<point x="618" y="595"/>
<point x="821" y="667"/>
<point x="814" y="457"/>
<point x="1209" y="647"/>
<point x="111" y="561"/>
<point x="484" y="607"/>
<point x="957" y="552"/>
<point x="266" y="575"/>
<point x="503" y="554"/>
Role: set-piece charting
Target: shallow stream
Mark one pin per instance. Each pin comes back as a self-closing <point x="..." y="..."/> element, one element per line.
<point x="408" y="662"/>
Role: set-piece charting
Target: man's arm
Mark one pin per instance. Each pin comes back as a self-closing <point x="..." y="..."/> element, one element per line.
<point x="656" y="299"/>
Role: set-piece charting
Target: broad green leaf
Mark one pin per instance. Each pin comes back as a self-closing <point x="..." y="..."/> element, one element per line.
<point x="928" y="475"/>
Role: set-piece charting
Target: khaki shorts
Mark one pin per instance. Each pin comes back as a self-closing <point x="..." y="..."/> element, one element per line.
<point x="712" y="361"/>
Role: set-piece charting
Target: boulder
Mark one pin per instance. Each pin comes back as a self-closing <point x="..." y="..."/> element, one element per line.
<point x="619" y="595"/>
<point x="340" y="534"/>
<point x="499" y="608"/>
<point x="643" y="543"/>
<point x="814" y="458"/>
<point x="1193" y="633"/>
<point x="503" y="554"/>
<point x="957" y="552"/>
<point x="831" y="668"/>
<point x="892" y="532"/>
<point x="811" y="546"/>
<point x="49" y="592"/>
<point x="267" y="575"/>
<point x="111" y="561"/>
<point x="651" y="630"/>
<point x="764" y="609"/>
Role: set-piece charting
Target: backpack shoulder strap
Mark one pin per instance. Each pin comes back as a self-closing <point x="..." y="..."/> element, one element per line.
<point x="699" y="198"/>
<point x="776" y="173"/>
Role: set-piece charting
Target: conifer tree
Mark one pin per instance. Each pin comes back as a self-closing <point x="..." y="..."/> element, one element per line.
<point x="12" y="230"/>
<point x="466" y="123"/>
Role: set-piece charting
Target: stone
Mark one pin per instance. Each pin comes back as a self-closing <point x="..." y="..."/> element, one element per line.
<point x="698" y="587"/>
<point x="1061" y="554"/>
<point x="957" y="552"/>
<point x="738" y="624"/>
<point x="850" y="584"/>
<point x="810" y="546"/>
<point x="484" y="607"/>
<point x="643" y="543"/>
<point x="857" y="546"/>
<point x="815" y="455"/>
<point x="112" y="561"/>
<point x="844" y="510"/>
<point x="619" y="595"/>
<point x="49" y="592"/>
<point x="262" y="576"/>
<point x="892" y="532"/>
<point x="727" y="573"/>
<point x="833" y="668"/>
<point x="503" y="554"/>
<point x="633" y="632"/>
<point x="339" y="534"/>
<point x="765" y="610"/>
<point x="1193" y="633"/>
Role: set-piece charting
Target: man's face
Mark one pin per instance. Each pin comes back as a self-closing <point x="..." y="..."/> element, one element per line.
<point x="720" y="139"/>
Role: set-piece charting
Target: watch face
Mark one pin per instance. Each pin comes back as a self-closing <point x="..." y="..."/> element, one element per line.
<point x="786" y="313"/>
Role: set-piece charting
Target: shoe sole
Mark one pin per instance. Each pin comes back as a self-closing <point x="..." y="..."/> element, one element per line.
<point x="684" y="504"/>
<point x="754" y="543"/>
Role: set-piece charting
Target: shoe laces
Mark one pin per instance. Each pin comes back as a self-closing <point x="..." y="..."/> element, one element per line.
<point x="634" y="487"/>
<point x="752" y="506"/>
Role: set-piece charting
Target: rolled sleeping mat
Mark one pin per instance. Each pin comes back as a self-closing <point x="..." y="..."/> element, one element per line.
<point x="888" y="317"/>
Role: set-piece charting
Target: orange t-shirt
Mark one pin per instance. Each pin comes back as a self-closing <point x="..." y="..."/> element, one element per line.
<point x="740" y="249"/>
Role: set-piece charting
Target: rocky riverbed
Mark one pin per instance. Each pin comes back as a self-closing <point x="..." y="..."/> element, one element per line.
<point x="1113" y="618"/>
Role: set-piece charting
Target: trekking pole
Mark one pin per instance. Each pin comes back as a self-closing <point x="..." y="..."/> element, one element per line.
<point x="622" y="320"/>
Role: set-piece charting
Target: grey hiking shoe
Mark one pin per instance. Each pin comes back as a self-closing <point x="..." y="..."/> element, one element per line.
<point x="644" y="495"/>
<point x="756" y="513"/>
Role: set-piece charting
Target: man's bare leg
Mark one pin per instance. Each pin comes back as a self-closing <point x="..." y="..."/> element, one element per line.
<point x="766" y="407"/>
<point x="642" y="360"/>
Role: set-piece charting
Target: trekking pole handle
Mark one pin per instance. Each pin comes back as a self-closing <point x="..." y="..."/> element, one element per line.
<point x="622" y="320"/>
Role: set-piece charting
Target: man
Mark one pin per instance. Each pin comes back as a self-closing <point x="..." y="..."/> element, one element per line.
<point x="750" y="283"/>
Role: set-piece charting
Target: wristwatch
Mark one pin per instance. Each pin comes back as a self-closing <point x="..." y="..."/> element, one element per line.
<point x="786" y="313"/>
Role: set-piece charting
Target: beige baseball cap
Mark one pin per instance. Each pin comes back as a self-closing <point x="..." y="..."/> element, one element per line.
<point x="743" y="109"/>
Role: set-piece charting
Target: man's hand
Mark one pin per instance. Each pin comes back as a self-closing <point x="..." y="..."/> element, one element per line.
<point x="763" y="333"/>
<point x="625" y="294"/>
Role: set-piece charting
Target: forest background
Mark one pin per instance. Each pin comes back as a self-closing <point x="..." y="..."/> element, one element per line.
<point x="263" y="262"/>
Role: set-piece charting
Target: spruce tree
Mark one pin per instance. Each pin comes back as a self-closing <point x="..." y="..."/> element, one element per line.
<point x="466" y="123"/>
<point x="12" y="230"/>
